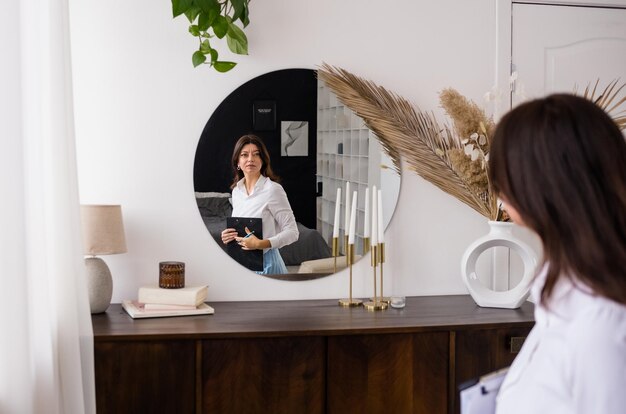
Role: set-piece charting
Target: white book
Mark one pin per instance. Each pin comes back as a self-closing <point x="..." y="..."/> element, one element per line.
<point x="136" y="310"/>
<point x="164" y="306"/>
<point x="193" y="295"/>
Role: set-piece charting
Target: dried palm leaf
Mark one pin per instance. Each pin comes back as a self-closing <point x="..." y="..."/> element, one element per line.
<point x="406" y="131"/>
<point x="606" y="101"/>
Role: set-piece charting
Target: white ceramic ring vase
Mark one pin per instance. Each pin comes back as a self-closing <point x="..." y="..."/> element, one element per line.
<point x="500" y="235"/>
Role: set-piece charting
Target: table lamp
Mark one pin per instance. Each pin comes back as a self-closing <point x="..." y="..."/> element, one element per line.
<point x="103" y="233"/>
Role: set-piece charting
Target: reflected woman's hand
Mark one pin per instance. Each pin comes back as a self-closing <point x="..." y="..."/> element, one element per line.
<point x="228" y="235"/>
<point x="249" y="241"/>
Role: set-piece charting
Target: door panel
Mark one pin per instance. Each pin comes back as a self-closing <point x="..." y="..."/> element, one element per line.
<point x="556" y="48"/>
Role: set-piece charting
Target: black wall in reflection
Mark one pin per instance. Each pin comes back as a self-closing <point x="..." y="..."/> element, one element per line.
<point x="295" y="93"/>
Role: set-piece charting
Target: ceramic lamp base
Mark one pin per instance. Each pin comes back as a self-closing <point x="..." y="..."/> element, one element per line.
<point x="99" y="284"/>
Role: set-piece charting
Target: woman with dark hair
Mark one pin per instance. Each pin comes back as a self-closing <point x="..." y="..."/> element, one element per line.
<point x="559" y="166"/>
<point x="256" y="193"/>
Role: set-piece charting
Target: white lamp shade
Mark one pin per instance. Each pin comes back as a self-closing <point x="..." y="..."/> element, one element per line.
<point x="103" y="229"/>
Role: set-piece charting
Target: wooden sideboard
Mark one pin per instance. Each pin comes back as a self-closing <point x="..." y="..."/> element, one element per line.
<point x="302" y="357"/>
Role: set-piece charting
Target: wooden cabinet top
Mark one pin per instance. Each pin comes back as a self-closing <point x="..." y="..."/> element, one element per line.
<point x="310" y="317"/>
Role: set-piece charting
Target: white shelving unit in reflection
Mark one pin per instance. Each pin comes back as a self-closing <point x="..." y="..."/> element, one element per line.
<point x="347" y="151"/>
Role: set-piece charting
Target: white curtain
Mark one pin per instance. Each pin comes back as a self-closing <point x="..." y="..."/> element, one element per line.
<point x="46" y="338"/>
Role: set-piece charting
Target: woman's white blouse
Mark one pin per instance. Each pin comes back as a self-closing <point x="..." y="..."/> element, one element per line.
<point x="574" y="360"/>
<point x="269" y="202"/>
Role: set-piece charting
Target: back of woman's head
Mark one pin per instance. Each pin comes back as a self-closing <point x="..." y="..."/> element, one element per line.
<point x="561" y="163"/>
<point x="266" y="168"/>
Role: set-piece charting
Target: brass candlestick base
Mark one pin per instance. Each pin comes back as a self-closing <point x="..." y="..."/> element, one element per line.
<point x="383" y="299"/>
<point x="350" y="302"/>
<point x="375" y="306"/>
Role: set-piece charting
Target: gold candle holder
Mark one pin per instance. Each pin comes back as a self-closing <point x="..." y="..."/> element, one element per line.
<point x="366" y="245"/>
<point x="349" y="303"/>
<point x="335" y="247"/>
<point x="381" y="260"/>
<point x="375" y="304"/>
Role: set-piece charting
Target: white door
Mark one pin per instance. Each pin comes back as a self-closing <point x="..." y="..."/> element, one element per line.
<point x="556" y="48"/>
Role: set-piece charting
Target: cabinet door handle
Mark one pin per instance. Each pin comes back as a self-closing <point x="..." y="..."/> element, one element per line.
<point x="515" y="343"/>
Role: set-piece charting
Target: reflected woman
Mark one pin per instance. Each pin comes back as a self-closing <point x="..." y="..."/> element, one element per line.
<point x="256" y="193"/>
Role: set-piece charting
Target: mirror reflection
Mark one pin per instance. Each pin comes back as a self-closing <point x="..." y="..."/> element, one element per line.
<point x="314" y="145"/>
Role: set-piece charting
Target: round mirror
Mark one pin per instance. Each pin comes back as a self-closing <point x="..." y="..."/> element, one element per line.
<point x="315" y="144"/>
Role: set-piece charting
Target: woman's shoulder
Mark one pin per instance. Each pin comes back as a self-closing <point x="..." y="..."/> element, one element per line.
<point x="272" y="185"/>
<point x="595" y="348"/>
<point x="599" y="325"/>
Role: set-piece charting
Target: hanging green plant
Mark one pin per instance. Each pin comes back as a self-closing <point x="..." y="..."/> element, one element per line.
<point x="214" y="18"/>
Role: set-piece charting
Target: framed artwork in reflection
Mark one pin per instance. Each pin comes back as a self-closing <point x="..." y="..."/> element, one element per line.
<point x="294" y="138"/>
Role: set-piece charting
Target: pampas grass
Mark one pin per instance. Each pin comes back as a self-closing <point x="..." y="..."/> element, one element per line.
<point x="466" y="115"/>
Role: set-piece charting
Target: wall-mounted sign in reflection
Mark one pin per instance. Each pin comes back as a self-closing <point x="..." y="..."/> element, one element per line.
<point x="264" y="115"/>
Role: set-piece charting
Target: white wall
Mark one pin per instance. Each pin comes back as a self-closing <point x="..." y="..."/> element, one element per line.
<point x="140" y="107"/>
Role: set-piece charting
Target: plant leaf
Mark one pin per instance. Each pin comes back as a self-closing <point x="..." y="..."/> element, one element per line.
<point x="205" y="46"/>
<point x="206" y="19"/>
<point x="193" y="29"/>
<point x="237" y="40"/>
<point x="208" y="5"/>
<point x="180" y="6"/>
<point x="198" y="58"/>
<point x="192" y="13"/>
<point x="223" y="66"/>
<point x="220" y="26"/>
<point x="214" y="54"/>
<point x="238" y="7"/>
<point x="245" y="17"/>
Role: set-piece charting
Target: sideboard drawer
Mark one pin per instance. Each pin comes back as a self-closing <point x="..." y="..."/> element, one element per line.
<point x="145" y="377"/>
<point x="397" y="373"/>
<point x="264" y="375"/>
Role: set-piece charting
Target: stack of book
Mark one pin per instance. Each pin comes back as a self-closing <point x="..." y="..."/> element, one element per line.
<point x="154" y="302"/>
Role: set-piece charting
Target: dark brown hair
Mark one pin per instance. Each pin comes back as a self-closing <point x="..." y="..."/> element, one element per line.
<point x="561" y="163"/>
<point x="266" y="168"/>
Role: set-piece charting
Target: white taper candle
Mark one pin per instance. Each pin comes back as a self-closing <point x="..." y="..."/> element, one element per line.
<point x="366" y="230"/>
<point x="346" y="222"/>
<point x="352" y="231"/>
<point x="381" y="223"/>
<point x="337" y="213"/>
<point x="374" y="239"/>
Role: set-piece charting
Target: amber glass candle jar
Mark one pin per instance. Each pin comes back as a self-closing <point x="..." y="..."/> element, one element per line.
<point x="171" y="275"/>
